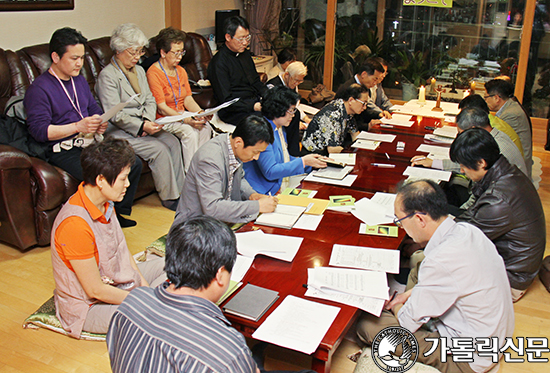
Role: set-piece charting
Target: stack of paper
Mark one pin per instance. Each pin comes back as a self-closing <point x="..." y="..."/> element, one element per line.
<point x="346" y="158"/>
<point x="366" y="290"/>
<point x="257" y="242"/>
<point x="438" y="139"/>
<point x="375" y="211"/>
<point x="334" y="172"/>
<point x="314" y="206"/>
<point x="188" y="114"/>
<point x="365" y="144"/>
<point x="447" y="131"/>
<point x="427" y="173"/>
<point x="381" y="137"/>
<point x="297" y="324"/>
<point x="241" y="266"/>
<point x="381" y="260"/>
<point x="347" y="181"/>
<point x="436" y="152"/>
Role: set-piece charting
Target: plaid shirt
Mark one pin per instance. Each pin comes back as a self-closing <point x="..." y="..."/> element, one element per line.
<point x="234" y="164"/>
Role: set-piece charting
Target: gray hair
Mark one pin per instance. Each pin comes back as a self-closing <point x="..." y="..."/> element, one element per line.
<point x="296" y="68"/>
<point x="127" y="35"/>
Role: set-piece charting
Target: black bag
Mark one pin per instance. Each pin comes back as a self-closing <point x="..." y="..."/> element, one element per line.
<point x="544" y="273"/>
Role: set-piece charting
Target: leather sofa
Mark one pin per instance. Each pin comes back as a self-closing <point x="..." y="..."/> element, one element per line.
<point x="33" y="191"/>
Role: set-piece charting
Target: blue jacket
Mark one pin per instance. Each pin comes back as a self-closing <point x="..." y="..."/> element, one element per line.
<point x="266" y="174"/>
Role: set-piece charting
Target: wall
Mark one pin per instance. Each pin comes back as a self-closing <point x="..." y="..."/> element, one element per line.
<point x="94" y="18"/>
<point x="199" y="15"/>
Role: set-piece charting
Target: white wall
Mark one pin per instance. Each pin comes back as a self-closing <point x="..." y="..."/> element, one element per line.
<point x="94" y="18"/>
<point x="199" y="15"/>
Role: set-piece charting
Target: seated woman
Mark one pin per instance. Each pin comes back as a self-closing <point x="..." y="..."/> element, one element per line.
<point x="92" y="266"/>
<point x="118" y="82"/>
<point x="169" y="84"/>
<point x="271" y="170"/>
<point x="327" y="130"/>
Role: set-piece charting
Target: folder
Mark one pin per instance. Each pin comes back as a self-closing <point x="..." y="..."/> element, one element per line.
<point x="314" y="206"/>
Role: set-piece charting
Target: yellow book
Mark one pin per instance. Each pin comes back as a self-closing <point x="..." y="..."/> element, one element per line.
<point x="314" y="206"/>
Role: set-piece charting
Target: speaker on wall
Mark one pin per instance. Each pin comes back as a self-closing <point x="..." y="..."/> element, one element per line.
<point x="221" y="16"/>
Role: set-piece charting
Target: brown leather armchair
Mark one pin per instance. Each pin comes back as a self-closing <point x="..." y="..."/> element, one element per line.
<point x="33" y="191"/>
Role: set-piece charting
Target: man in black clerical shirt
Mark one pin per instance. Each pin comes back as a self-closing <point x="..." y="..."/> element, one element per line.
<point x="232" y="73"/>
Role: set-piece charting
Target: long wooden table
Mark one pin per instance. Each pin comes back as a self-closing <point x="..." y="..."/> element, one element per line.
<point x="335" y="228"/>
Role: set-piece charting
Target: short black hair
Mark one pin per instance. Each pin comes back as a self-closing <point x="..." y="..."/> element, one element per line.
<point x="381" y="61"/>
<point x="64" y="37"/>
<point x="472" y="117"/>
<point x="231" y="25"/>
<point x="473" y="145"/>
<point x="108" y="158"/>
<point x="286" y="55"/>
<point x="423" y="196"/>
<point x="354" y="90"/>
<point x="474" y="100"/>
<point x="277" y="101"/>
<point x="196" y="249"/>
<point x="501" y="88"/>
<point x="252" y="130"/>
<point x="370" y="66"/>
<point x="168" y="36"/>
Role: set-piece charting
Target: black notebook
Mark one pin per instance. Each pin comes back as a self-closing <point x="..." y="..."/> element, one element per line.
<point x="251" y="302"/>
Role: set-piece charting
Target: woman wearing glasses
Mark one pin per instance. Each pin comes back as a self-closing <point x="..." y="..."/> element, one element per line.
<point x="170" y="87"/>
<point x="118" y="82"/>
<point x="328" y="129"/>
<point x="271" y="170"/>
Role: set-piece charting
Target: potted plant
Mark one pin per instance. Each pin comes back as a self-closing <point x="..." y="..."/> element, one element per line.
<point x="413" y="72"/>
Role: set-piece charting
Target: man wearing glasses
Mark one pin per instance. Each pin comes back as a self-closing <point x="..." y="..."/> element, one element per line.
<point x="233" y="74"/>
<point x="368" y="75"/>
<point x="461" y="285"/>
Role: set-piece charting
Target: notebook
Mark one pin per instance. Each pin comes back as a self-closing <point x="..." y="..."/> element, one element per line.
<point x="251" y="302"/>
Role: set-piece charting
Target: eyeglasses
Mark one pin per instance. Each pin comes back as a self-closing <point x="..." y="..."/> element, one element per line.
<point x="362" y="102"/>
<point x="244" y="39"/>
<point x="134" y="54"/>
<point x="178" y="54"/>
<point x="291" y="111"/>
<point x="397" y="221"/>
<point x="487" y="96"/>
<point x="298" y="81"/>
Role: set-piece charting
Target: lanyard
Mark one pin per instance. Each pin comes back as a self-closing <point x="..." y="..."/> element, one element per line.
<point x="172" y="88"/>
<point x="122" y="72"/>
<point x="75" y="106"/>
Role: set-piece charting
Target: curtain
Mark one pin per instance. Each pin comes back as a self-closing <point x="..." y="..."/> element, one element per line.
<point x="263" y="17"/>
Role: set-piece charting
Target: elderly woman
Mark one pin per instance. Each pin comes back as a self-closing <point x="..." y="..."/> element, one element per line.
<point x="118" y="82"/>
<point x="170" y="86"/>
<point x="92" y="266"/>
<point x="328" y="128"/>
<point x="271" y="170"/>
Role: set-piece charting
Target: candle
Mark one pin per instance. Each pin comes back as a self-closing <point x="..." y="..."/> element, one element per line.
<point x="473" y="86"/>
<point x="432" y="84"/>
<point x="422" y="94"/>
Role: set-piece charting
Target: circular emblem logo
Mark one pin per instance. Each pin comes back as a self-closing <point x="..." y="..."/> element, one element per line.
<point x="394" y="349"/>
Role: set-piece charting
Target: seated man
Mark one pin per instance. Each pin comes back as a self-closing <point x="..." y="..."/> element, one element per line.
<point x="461" y="282"/>
<point x="61" y="110"/>
<point x="368" y="75"/>
<point x="483" y="50"/>
<point x="477" y="101"/>
<point x="215" y="184"/>
<point x="507" y="207"/>
<point x="233" y="74"/>
<point x="476" y="118"/>
<point x="378" y="101"/>
<point x="499" y="98"/>
<point x="291" y="78"/>
<point x="284" y="58"/>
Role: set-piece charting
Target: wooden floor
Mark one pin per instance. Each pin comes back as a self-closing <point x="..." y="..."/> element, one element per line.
<point x="26" y="282"/>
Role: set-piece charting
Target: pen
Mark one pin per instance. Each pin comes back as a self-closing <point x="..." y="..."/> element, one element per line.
<point x="387" y="156"/>
<point x="419" y="159"/>
<point x="386" y="126"/>
<point x="383" y="165"/>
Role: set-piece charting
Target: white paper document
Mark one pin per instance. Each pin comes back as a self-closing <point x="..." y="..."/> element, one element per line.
<point x="402" y="117"/>
<point x="367" y="304"/>
<point x="447" y="131"/>
<point x="385" y="199"/>
<point x="297" y="324"/>
<point x="373" y="213"/>
<point x="398" y="121"/>
<point x="382" y="137"/>
<point x="347" y="158"/>
<point x="276" y="246"/>
<point x="307" y="109"/>
<point x="427" y="173"/>
<point x="350" y="281"/>
<point x="347" y="181"/>
<point x="365" y="258"/>
<point x="115" y="109"/>
<point x="365" y="144"/>
<point x="439" y="152"/>
<point x="284" y="216"/>
<point x="187" y="114"/>
<point x="334" y="172"/>
<point x="241" y="266"/>
<point x="439" y="139"/>
<point x="308" y="222"/>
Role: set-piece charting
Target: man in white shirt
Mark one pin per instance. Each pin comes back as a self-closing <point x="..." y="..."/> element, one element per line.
<point x="461" y="284"/>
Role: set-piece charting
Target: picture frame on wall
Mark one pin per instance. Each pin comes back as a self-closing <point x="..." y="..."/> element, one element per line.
<point x="30" y="5"/>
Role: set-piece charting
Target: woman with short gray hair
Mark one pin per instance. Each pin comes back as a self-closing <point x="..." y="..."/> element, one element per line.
<point x="120" y="81"/>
